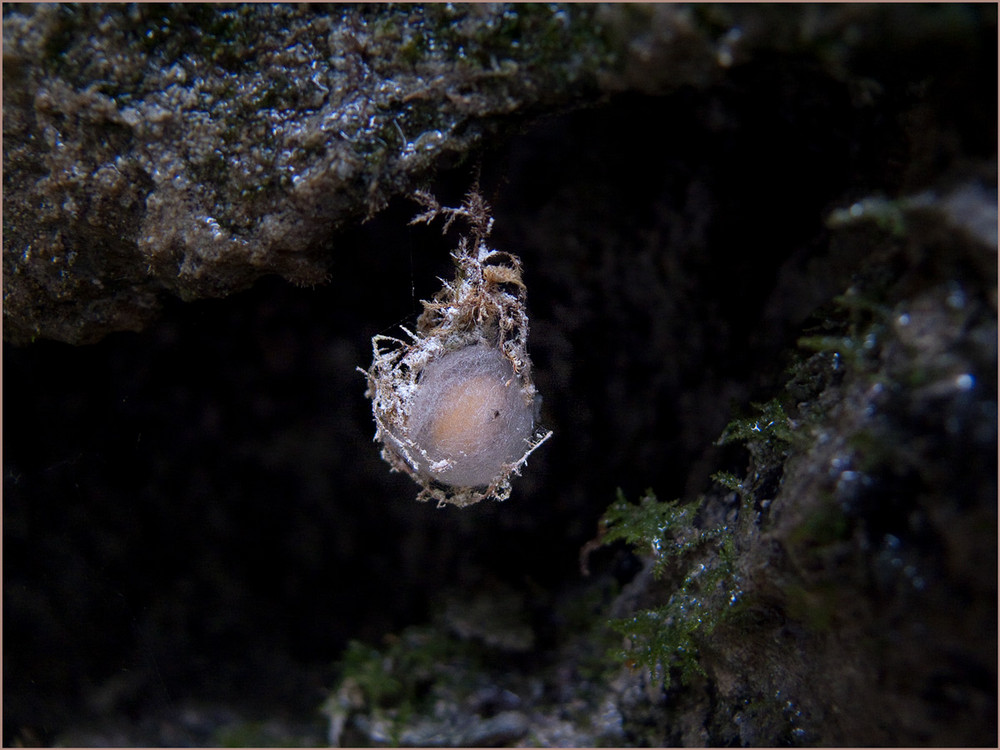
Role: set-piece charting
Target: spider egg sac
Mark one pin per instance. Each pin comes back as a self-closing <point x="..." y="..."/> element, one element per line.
<point x="455" y="406"/>
<point x="468" y="417"/>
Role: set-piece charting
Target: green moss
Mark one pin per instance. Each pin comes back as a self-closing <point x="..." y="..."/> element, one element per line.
<point x="256" y="734"/>
<point x="413" y="48"/>
<point x="827" y="525"/>
<point x="667" y="637"/>
<point x="392" y="683"/>
<point x="874" y="451"/>
<point x="514" y="38"/>
<point x="769" y="424"/>
<point x="855" y="325"/>
<point x="372" y="671"/>
<point x="815" y="606"/>
<point x="887" y="215"/>
<point x="857" y="349"/>
<point x="61" y="36"/>
<point x="392" y="676"/>
<point x="770" y="436"/>
<point x="729" y="481"/>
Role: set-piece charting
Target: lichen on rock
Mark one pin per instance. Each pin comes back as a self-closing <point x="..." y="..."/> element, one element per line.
<point x="190" y="149"/>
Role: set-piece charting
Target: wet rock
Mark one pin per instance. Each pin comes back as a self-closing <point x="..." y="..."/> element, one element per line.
<point x="193" y="149"/>
<point x="190" y="150"/>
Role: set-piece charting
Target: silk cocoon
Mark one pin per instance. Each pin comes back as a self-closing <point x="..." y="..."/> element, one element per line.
<point x="469" y="418"/>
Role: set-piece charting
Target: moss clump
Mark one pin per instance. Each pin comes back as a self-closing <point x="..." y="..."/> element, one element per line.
<point x="257" y="734"/>
<point x="769" y="423"/>
<point x="768" y="432"/>
<point x="666" y="638"/>
<point x="393" y="684"/>
<point x="863" y="329"/>
<point x="728" y="480"/>
<point x="770" y="437"/>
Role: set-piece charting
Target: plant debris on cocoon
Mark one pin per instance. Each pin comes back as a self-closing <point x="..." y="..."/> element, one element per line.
<point x="455" y="406"/>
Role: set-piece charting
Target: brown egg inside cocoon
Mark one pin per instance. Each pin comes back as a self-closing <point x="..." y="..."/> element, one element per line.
<point x="468" y="410"/>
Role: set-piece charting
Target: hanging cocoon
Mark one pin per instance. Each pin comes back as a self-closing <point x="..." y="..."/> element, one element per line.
<point x="455" y="406"/>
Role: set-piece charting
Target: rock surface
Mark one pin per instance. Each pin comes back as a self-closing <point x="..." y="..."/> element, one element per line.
<point x="193" y="149"/>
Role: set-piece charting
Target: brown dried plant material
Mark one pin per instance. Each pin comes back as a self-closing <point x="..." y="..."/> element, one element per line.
<point x="455" y="406"/>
